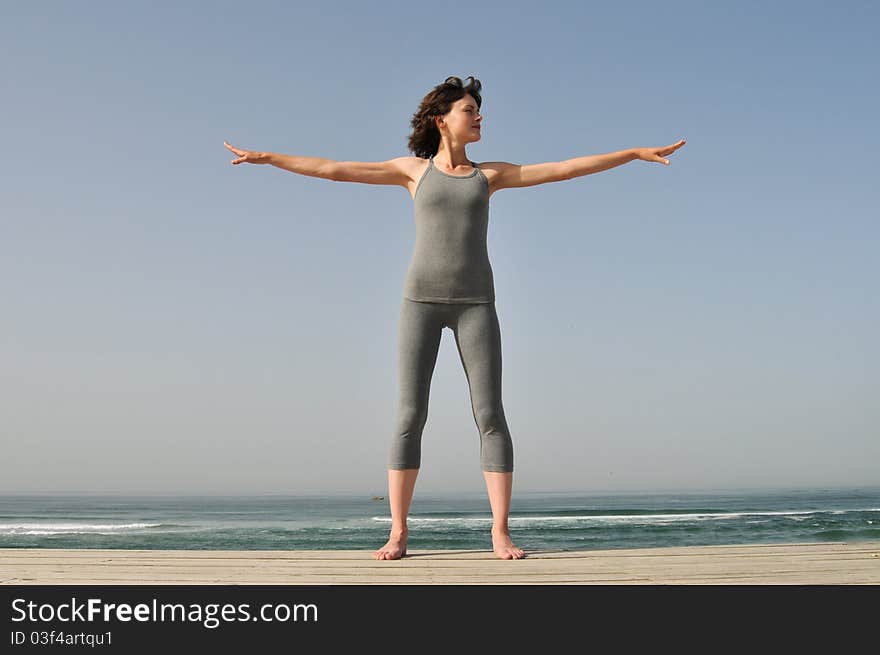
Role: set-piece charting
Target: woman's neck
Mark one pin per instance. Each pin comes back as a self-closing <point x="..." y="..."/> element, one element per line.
<point x="452" y="159"/>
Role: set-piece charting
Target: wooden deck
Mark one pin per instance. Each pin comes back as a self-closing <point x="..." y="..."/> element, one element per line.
<point x="813" y="563"/>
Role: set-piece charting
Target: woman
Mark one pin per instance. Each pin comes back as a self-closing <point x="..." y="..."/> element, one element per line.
<point x="449" y="282"/>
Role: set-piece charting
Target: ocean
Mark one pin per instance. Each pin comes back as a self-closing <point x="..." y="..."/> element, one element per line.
<point x="538" y="521"/>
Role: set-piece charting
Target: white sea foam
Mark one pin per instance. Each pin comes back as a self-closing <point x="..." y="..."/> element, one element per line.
<point x="71" y="528"/>
<point x="797" y="515"/>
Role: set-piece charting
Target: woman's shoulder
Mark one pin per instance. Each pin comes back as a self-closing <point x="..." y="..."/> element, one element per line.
<point x="411" y="164"/>
<point x="492" y="170"/>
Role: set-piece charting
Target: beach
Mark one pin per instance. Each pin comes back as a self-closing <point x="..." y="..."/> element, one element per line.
<point x="853" y="563"/>
<point x="782" y="537"/>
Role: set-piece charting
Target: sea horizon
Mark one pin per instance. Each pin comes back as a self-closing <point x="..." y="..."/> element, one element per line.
<point x="564" y="520"/>
<point x="444" y="493"/>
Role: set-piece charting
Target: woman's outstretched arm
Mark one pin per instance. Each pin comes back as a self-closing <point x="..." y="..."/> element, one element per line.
<point x="312" y="166"/>
<point x="393" y="172"/>
<point x="515" y="175"/>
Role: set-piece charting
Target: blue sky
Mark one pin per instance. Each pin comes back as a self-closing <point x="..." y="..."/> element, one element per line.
<point x="173" y="323"/>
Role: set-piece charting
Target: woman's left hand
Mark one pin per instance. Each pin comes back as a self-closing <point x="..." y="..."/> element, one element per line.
<point x="658" y="154"/>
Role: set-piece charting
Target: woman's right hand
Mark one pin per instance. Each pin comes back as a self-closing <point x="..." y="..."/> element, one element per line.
<point x="248" y="156"/>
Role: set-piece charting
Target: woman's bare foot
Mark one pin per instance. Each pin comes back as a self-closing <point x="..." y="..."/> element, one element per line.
<point x="503" y="546"/>
<point x="395" y="548"/>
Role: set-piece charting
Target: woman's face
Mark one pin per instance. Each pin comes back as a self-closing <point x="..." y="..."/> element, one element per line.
<point x="463" y="120"/>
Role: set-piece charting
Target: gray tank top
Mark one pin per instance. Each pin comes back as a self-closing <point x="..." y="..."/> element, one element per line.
<point x="450" y="262"/>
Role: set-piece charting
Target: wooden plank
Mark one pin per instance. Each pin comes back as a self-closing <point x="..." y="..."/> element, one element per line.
<point x="813" y="563"/>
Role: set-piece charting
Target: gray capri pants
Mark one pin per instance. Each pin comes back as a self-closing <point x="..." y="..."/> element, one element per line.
<point x="478" y="337"/>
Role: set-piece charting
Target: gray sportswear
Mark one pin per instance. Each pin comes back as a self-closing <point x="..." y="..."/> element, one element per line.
<point x="450" y="284"/>
<point x="450" y="261"/>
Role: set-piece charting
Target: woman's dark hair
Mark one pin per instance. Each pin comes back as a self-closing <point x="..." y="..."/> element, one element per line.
<point x="425" y="138"/>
